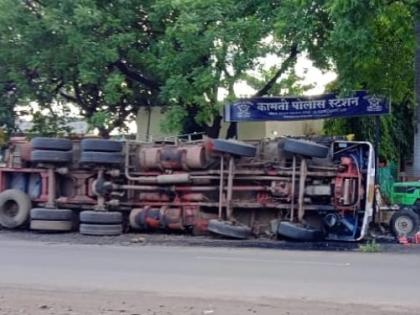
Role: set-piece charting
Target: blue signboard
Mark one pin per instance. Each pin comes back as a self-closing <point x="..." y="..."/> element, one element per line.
<point x="360" y="103"/>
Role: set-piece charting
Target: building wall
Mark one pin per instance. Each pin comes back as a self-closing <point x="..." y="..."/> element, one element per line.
<point x="252" y="130"/>
<point x="156" y="116"/>
<point x="294" y="128"/>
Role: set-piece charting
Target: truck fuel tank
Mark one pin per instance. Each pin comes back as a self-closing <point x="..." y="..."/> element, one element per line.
<point x="172" y="157"/>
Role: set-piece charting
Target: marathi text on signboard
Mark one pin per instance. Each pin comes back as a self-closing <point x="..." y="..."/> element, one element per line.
<point x="305" y="108"/>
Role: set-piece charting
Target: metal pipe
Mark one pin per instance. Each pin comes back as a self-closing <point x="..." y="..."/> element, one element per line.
<point x="292" y="205"/>
<point x="239" y="172"/>
<point x="188" y="188"/>
<point x="244" y="204"/>
<point x="302" y="179"/>
<point x="229" y="188"/>
<point x="127" y="163"/>
<point x="221" y="186"/>
<point x="51" y="188"/>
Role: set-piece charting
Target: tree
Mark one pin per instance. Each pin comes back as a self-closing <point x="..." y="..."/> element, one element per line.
<point x="416" y="157"/>
<point x="112" y="57"/>
<point x="85" y="52"/>
<point x="370" y="45"/>
<point x="206" y="49"/>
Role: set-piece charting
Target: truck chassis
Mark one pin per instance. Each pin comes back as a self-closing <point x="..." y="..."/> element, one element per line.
<point x="287" y="187"/>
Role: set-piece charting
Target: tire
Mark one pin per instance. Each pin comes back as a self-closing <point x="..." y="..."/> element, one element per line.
<point x="55" y="144"/>
<point x="227" y="229"/>
<point x="306" y="148"/>
<point x="14" y="208"/>
<point x="299" y="233"/>
<point x="51" y="214"/>
<point x="101" y="217"/>
<point x="44" y="156"/>
<point x="100" y="145"/>
<point x="100" y="229"/>
<point x="234" y="147"/>
<point x="51" y="226"/>
<point x="405" y="222"/>
<point x="88" y="157"/>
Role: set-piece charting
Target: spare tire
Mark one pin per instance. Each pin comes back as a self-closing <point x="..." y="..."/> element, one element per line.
<point x="88" y="157"/>
<point x="101" y="217"/>
<point x="100" y="145"/>
<point x="50" y="156"/>
<point x="100" y="229"/>
<point x="14" y="208"/>
<point x="43" y="143"/>
<point x="227" y="229"/>
<point x="306" y="148"/>
<point x="51" y="214"/>
<point x="298" y="232"/>
<point x="234" y="147"/>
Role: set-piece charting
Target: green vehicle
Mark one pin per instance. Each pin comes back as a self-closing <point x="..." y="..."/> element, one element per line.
<point x="406" y="195"/>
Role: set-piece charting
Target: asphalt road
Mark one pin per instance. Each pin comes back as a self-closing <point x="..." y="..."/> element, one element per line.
<point x="381" y="278"/>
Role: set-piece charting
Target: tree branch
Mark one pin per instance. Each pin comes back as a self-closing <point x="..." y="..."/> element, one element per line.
<point x="135" y="76"/>
<point x="285" y="65"/>
<point x="69" y="98"/>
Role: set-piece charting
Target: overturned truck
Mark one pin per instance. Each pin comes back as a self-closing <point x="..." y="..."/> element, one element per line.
<point x="287" y="187"/>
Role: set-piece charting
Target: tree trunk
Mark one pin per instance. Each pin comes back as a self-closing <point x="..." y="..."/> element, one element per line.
<point x="214" y="130"/>
<point x="416" y="157"/>
<point x="232" y="132"/>
<point x="103" y="132"/>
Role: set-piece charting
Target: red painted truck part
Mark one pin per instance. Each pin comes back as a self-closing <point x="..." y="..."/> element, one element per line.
<point x="285" y="187"/>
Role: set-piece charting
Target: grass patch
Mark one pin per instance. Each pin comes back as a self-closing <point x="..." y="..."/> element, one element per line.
<point x="370" y="247"/>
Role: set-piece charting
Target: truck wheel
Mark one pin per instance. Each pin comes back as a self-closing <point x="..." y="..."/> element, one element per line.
<point x="306" y="148"/>
<point x="101" y="217"/>
<point x="57" y="144"/>
<point x="50" y="156"/>
<point x="14" y="208"/>
<point x="100" y="229"/>
<point x="298" y="232"/>
<point x="51" y="214"/>
<point x="234" y="147"/>
<point x="100" y="145"/>
<point x="404" y="222"/>
<point x="88" y="157"/>
<point x="51" y="226"/>
<point x="227" y="229"/>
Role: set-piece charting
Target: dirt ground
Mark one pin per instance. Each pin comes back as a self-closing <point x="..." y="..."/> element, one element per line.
<point x="43" y="302"/>
<point x="387" y="244"/>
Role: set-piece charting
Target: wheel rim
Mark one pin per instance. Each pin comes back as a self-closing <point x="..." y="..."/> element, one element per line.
<point x="10" y="209"/>
<point x="404" y="225"/>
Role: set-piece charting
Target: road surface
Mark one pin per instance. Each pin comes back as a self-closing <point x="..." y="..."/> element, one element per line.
<point x="45" y="278"/>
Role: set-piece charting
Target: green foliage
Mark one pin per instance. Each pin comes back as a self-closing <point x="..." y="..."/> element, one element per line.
<point x="49" y="121"/>
<point x="370" y="247"/>
<point x="109" y="58"/>
<point x="371" y="46"/>
<point x="48" y="126"/>
<point x="86" y="52"/>
<point x="289" y="84"/>
<point x="207" y="46"/>
<point x="116" y="56"/>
